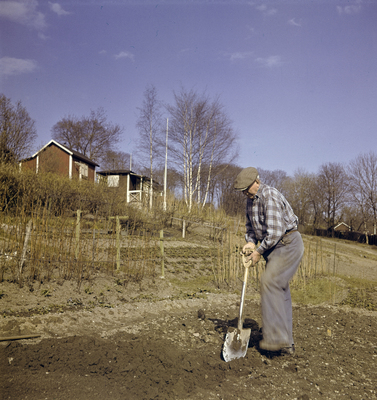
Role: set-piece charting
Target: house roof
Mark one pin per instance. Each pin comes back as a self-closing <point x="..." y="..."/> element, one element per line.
<point x="342" y="223"/>
<point x="117" y="172"/>
<point x="125" y="172"/>
<point x="67" y="150"/>
<point x="81" y="156"/>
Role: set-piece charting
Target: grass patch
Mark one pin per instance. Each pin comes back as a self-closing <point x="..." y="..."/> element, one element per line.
<point x="361" y="298"/>
<point x="189" y="252"/>
<point x="359" y="282"/>
<point x="342" y="290"/>
<point x="316" y="291"/>
<point x="362" y="293"/>
<point x="197" y="284"/>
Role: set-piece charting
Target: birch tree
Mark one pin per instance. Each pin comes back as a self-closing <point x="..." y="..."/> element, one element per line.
<point x="201" y="137"/>
<point x="149" y="125"/>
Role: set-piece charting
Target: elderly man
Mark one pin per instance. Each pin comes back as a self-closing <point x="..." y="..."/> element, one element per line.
<point x="271" y="222"/>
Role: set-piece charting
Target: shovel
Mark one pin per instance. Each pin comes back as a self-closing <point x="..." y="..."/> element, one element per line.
<point x="237" y="340"/>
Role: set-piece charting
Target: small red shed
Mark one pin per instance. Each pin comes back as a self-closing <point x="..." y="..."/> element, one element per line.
<point x="343" y="227"/>
<point x="57" y="158"/>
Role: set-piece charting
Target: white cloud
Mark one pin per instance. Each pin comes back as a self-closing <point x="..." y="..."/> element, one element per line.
<point x="269" y="62"/>
<point x="42" y="36"/>
<point x="23" y="12"/>
<point x="57" y="8"/>
<point x="250" y="28"/>
<point x="262" y="7"/>
<point x="293" y="22"/>
<point x="102" y="52"/>
<point x="240" y="55"/>
<point x="351" y="9"/>
<point x="266" y="10"/>
<point x="125" y="54"/>
<point x="16" y="66"/>
<point x="186" y="50"/>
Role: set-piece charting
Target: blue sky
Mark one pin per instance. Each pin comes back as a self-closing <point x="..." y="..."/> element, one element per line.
<point x="297" y="78"/>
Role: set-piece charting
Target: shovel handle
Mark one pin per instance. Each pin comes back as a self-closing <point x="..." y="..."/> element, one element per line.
<point x="242" y="301"/>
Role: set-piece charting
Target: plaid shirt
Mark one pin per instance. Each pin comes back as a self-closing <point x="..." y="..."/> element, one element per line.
<point x="268" y="217"/>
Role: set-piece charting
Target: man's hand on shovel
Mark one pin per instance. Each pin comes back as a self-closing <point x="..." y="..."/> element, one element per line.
<point x="250" y="255"/>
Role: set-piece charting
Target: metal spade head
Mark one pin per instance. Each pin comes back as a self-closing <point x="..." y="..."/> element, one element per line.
<point x="236" y="344"/>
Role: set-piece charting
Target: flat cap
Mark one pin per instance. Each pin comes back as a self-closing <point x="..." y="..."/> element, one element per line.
<point x="245" y="178"/>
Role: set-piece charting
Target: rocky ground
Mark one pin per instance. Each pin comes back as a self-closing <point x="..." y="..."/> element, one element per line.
<point x="153" y="340"/>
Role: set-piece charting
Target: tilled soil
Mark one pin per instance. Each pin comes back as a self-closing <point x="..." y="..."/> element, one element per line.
<point x="159" y="343"/>
<point x="176" y="354"/>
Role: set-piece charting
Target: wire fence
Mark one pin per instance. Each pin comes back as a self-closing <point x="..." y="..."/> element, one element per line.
<point x="67" y="248"/>
<point x="74" y="247"/>
<point x="44" y="247"/>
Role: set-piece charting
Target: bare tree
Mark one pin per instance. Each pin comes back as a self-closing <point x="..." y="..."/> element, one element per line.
<point x="332" y="183"/>
<point x="92" y="136"/>
<point x="174" y="181"/>
<point x="149" y="125"/>
<point x="363" y="183"/>
<point x="231" y="201"/>
<point x="275" y="178"/>
<point x="298" y="191"/>
<point x="17" y="131"/>
<point x="353" y="216"/>
<point x="115" y="160"/>
<point x="201" y="137"/>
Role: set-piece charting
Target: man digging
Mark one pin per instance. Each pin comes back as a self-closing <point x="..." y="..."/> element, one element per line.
<point x="271" y="221"/>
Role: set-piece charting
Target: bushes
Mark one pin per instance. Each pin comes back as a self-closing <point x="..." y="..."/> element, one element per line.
<point x="27" y="193"/>
<point x="9" y="186"/>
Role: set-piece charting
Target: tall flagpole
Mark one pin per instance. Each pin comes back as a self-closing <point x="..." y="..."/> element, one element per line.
<point x="166" y="163"/>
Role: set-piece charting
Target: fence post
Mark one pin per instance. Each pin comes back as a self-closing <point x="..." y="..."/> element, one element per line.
<point x="27" y="237"/>
<point x="78" y="234"/>
<point x="162" y="253"/>
<point x="118" y="241"/>
<point x="94" y="244"/>
<point x="184" y="229"/>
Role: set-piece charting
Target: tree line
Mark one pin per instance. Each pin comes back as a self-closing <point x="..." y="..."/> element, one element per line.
<point x="336" y="193"/>
<point x="195" y="139"/>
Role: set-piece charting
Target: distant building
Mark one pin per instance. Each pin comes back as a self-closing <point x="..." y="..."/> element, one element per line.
<point x="133" y="185"/>
<point x="60" y="159"/>
<point x="343" y="227"/>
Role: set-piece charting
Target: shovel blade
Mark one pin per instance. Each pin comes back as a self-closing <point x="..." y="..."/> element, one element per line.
<point x="236" y="344"/>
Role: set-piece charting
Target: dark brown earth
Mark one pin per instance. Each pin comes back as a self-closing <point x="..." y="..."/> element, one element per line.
<point x="155" y="341"/>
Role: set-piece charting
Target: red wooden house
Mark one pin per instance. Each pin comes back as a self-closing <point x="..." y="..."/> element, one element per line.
<point x="343" y="227"/>
<point x="57" y="158"/>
